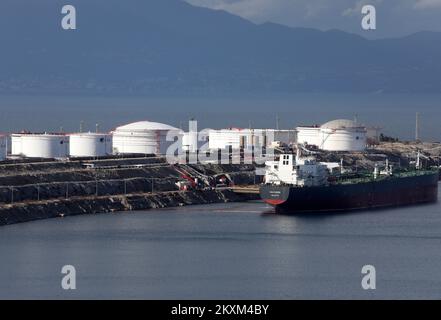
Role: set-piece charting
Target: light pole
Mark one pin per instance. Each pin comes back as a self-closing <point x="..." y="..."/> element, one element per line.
<point x="96" y="184"/>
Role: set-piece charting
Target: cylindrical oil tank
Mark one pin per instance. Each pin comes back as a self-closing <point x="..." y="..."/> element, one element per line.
<point x="343" y="135"/>
<point x="3" y="147"/>
<point x="308" y="135"/>
<point x="343" y="140"/>
<point x="144" y="137"/>
<point x="221" y="139"/>
<point x="36" y="145"/>
<point x="90" y="144"/>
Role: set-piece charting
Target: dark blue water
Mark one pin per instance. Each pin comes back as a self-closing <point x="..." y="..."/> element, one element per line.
<point x="228" y="251"/>
<point x="394" y="113"/>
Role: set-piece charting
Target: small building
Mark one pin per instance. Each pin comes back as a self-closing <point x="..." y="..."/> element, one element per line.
<point x="40" y="145"/>
<point x="90" y="144"/>
<point x="144" y="137"/>
<point x="336" y="135"/>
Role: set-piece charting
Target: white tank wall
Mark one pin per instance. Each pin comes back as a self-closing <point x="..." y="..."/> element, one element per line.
<point x="190" y="141"/>
<point x="221" y="139"/>
<point x="90" y="145"/>
<point x="343" y="139"/>
<point x="309" y="135"/>
<point x="3" y="147"/>
<point x="145" y="142"/>
<point x="40" y="145"/>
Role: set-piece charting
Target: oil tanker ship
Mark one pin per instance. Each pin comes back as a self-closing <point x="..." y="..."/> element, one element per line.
<point x="297" y="184"/>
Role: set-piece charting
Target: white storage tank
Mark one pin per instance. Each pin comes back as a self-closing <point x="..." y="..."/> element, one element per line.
<point x="308" y="135"/>
<point x="221" y="139"/>
<point x="336" y="135"/>
<point x="246" y="138"/>
<point x="3" y="146"/>
<point x="144" y="137"/>
<point x="40" y="145"/>
<point x="239" y="138"/>
<point x="343" y="135"/>
<point x="90" y="144"/>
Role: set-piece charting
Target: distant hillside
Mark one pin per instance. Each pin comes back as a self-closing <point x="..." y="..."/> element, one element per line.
<point x="171" y="47"/>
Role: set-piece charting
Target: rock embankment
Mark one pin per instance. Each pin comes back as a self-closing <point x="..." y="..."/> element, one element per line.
<point x="24" y="212"/>
<point x="45" y="189"/>
<point x="40" y="189"/>
<point x="400" y="154"/>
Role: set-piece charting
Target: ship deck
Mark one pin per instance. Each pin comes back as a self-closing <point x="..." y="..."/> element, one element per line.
<point x="369" y="177"/>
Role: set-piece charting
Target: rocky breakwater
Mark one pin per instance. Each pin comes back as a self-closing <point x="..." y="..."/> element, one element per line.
<point x="35" y="210"/>
<point x="399" y="154"/>
<point x="30" y="191"/>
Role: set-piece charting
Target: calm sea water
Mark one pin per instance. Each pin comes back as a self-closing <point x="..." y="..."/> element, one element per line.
<point x="227" y="251"/>
<point x="394" y="113"/>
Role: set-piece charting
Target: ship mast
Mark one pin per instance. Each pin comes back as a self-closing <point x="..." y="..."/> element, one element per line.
<point x="298" y="153"/>
<point x="418" y="161"/>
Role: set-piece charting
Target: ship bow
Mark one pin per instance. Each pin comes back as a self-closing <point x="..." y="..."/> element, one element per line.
<point x="274" y="195"/>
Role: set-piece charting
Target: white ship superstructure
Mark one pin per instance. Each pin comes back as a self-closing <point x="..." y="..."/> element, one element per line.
<point x="296" y="170"/>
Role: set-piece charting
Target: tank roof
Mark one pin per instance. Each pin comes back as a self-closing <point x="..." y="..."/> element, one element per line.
<point x="89" y="134"/>
<point x="341" y="124"/>
<point x="39" y="134"/>
<point x="145" y="126"/>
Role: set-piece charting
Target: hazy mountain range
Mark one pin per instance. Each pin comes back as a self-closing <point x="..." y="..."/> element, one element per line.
<point x="170" y="47"/>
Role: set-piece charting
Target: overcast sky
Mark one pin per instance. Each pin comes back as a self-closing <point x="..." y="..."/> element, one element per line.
<point x="394" y="17"/>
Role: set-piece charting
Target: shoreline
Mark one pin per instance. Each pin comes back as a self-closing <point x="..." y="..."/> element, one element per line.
<point x="38" y="210"/>
<point x="33" y="189"/>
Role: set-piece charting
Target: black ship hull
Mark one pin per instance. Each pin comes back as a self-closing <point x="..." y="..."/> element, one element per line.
<point x="390" y="192"/>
